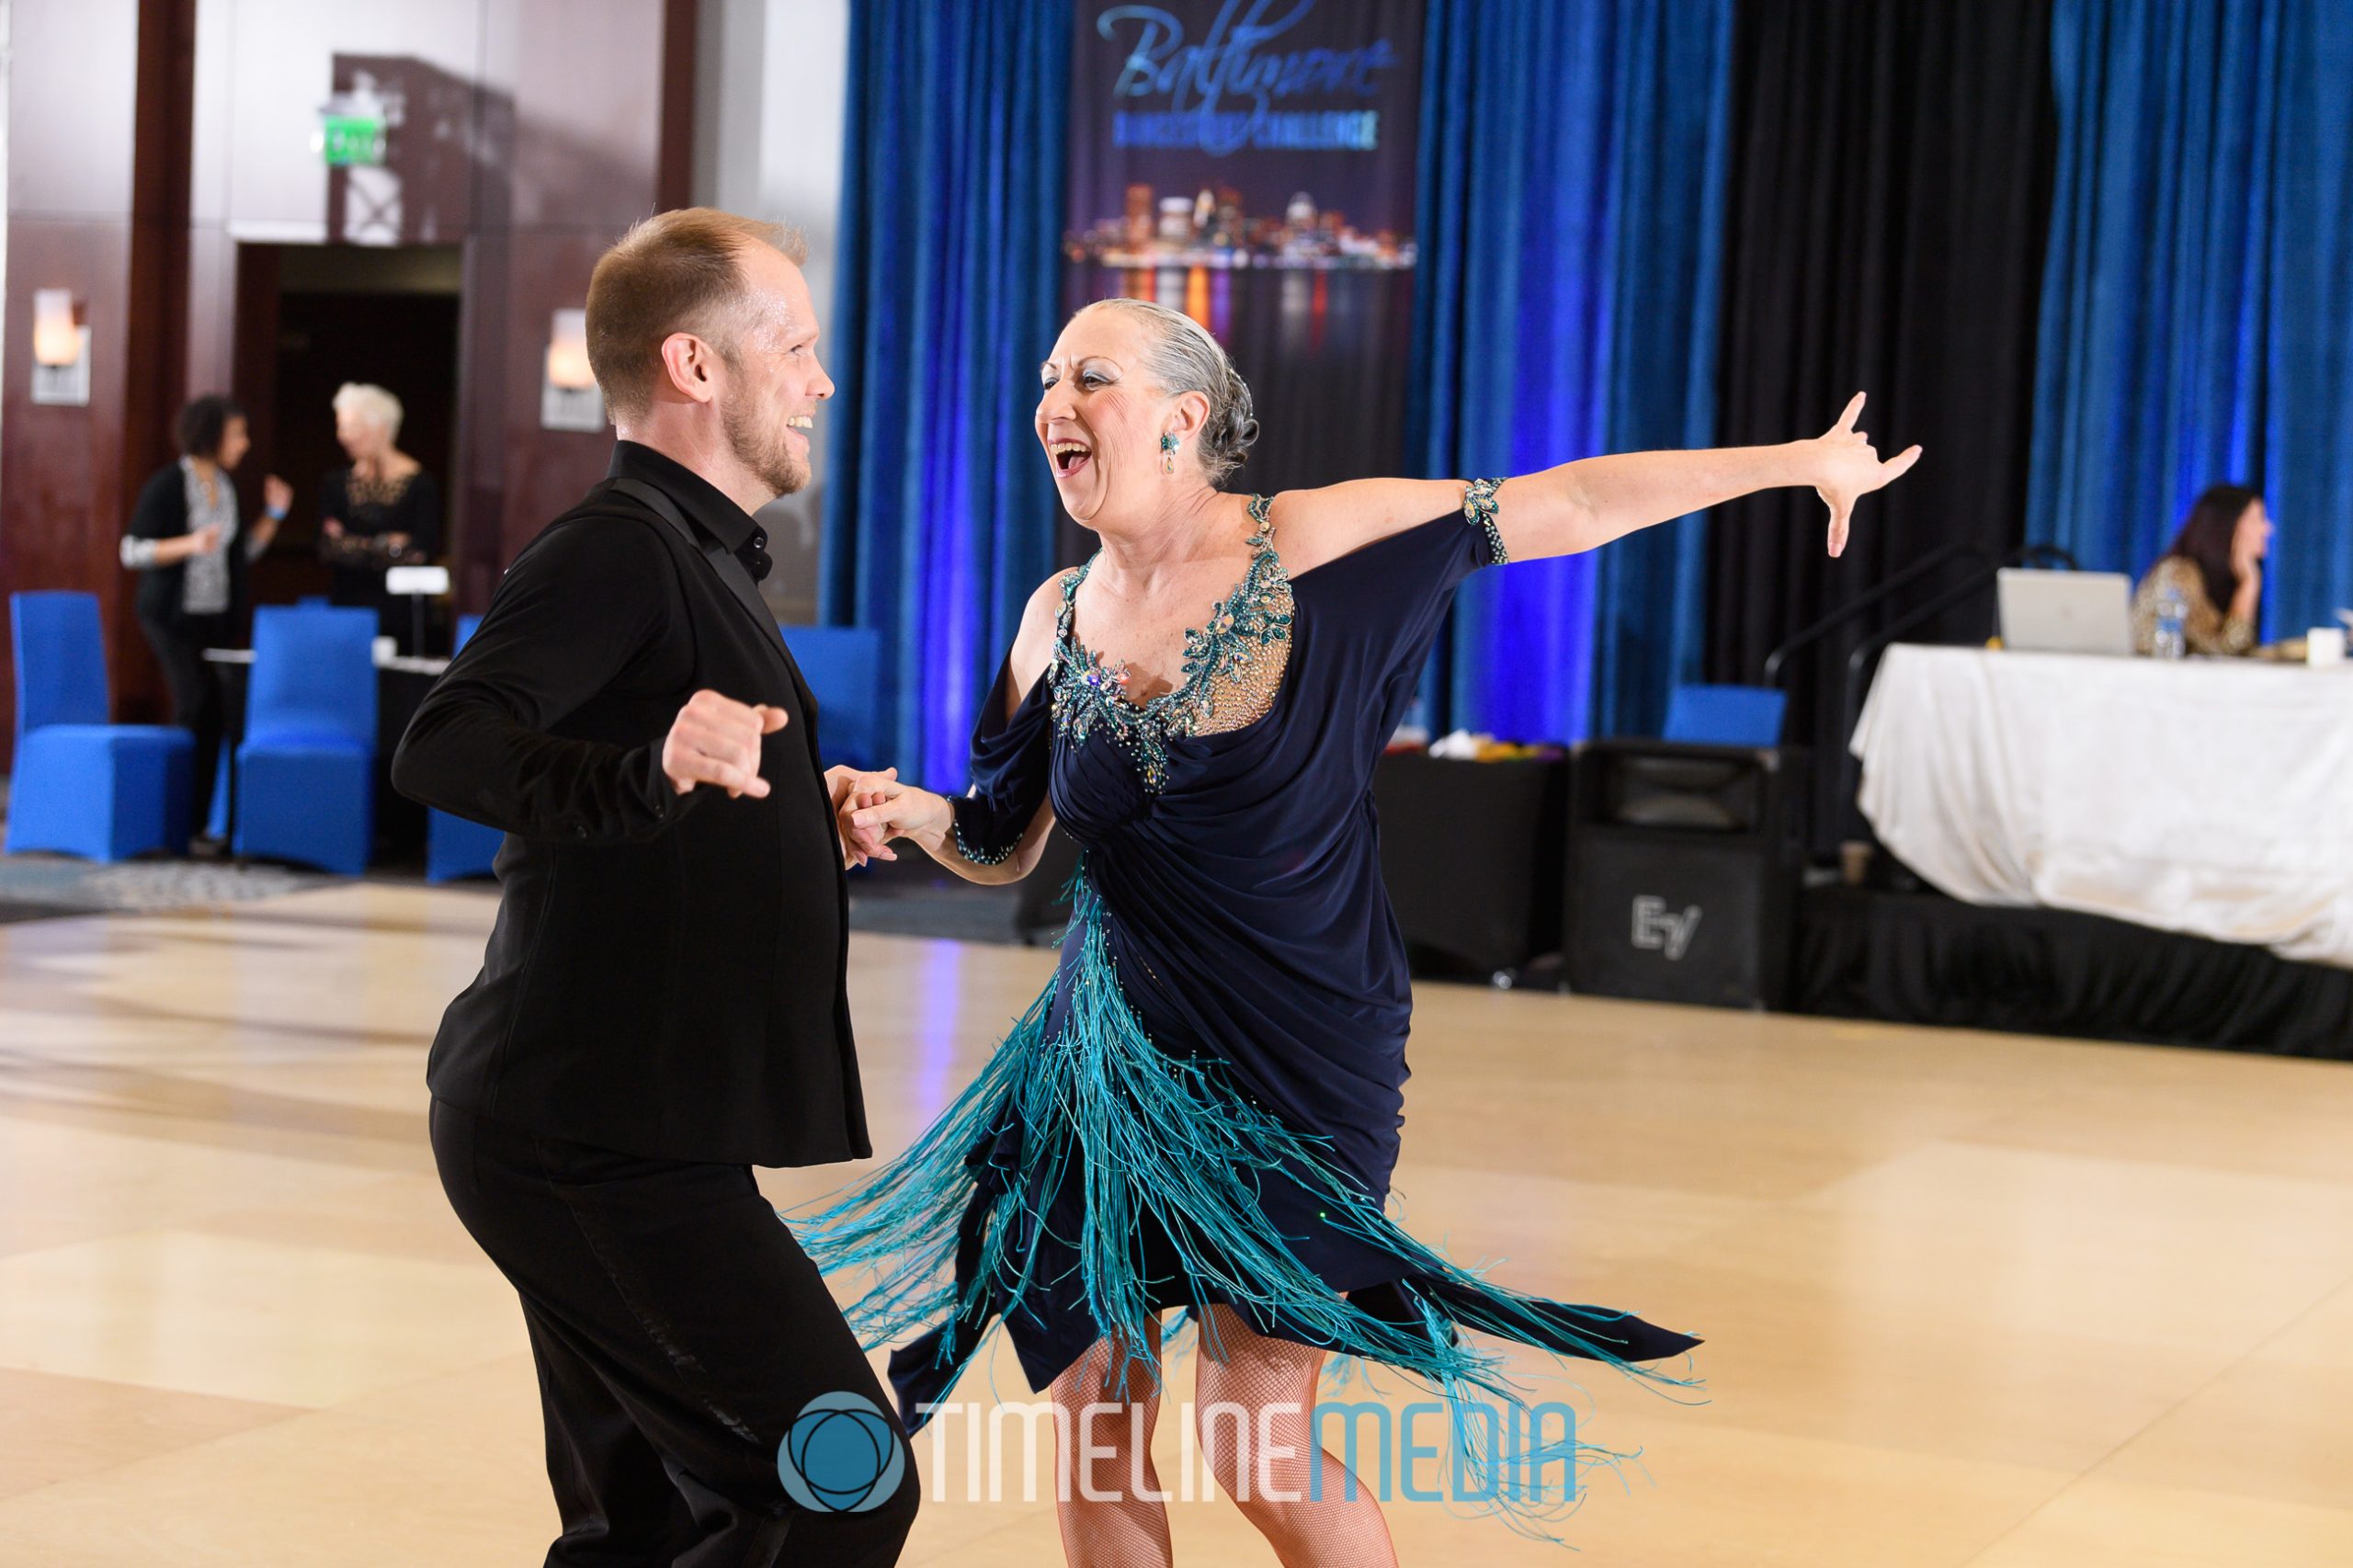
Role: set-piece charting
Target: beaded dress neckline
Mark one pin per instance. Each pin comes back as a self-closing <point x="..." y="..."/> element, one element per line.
<point x="1232" y="666"/>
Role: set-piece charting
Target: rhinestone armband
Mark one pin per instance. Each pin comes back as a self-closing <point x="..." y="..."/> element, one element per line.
<point x="1478" y="508"/>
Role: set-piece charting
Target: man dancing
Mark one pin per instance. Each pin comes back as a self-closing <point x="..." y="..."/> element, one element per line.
<point x="661" y="1005"/>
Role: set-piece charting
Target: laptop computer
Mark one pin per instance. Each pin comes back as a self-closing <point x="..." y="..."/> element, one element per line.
<point x="2064" y="612"/>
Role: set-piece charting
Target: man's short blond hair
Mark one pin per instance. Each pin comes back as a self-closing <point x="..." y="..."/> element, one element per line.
<point x="674" y="272"/>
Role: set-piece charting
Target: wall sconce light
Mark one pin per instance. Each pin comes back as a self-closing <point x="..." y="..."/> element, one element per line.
<point x="568" y="396"/>
<point x="61" y="351"/>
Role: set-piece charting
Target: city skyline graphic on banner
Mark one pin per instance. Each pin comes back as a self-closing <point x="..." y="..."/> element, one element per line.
<point x="1245" y="134"/>
<point x="1250" y="163"/>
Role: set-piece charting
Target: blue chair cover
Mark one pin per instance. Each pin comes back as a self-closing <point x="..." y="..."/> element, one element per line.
<point x="82" y="785"/>
<point x="839" y="663"/>
<point x="1725" y="715"/>
<point x="222" y="794"/>
<point x="454" y="846"/>
<point x="306" y="768"/>
<point x="218" y="823"/>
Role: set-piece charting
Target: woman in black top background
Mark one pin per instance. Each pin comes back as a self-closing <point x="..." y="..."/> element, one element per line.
<point x="187" y="541"/>
<point x="383" y="511"/>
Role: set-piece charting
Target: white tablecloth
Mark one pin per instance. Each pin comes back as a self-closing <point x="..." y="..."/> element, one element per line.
<point x="2209" y="796"/>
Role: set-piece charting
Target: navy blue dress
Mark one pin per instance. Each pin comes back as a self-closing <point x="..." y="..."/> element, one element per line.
<point x="1204" y="1104"/>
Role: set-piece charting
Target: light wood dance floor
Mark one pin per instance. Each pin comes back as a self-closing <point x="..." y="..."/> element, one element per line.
<point x="1970" y="1298"/>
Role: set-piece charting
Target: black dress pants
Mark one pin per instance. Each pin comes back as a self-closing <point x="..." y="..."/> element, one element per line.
<point x="679" y="1330"/>
<point x="196" y="693"/>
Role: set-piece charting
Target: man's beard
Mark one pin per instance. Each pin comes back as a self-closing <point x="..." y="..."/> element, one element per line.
<point x="764" y="449"/>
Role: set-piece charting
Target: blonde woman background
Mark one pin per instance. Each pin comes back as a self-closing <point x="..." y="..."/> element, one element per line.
<point x="383" y="510"/>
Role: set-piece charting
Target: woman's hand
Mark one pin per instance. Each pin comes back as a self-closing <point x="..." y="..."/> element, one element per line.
<point x="885" y="809"/>
<point x="276" y="496"/>
<point x="849" y="788"/>
<point x="1849" y="468"/>
<point x="2247" y="558"/>
<point x="172" y="551"/>
<point x="2246" y="565"/>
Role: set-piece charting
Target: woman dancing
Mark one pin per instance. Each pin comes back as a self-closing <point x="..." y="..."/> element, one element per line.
<point x="1201" y="1112"/>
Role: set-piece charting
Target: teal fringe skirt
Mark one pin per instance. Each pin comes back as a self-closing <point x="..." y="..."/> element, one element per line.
<point x="1088" y="1182"/>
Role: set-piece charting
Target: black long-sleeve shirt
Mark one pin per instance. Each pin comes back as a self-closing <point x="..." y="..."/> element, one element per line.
<point x="666" y="973"/>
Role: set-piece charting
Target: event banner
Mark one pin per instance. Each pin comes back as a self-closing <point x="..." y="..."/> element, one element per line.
<point x="1250" y="163"/>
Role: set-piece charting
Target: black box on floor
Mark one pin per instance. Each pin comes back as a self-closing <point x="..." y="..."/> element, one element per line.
<point x="1683" y="865"/>
<point x="1468" y="851"/>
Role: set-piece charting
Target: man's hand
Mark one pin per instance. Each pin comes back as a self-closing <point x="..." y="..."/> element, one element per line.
<point x="716" y="740"/>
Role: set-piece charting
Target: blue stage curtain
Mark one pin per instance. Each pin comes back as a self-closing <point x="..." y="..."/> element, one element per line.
<point x="1572" y="180"/>
<point x="2196" y="320"/>
<point x="940" y="520"/>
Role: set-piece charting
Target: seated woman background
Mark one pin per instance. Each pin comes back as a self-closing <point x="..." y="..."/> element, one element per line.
<point x="2215" y="566"/>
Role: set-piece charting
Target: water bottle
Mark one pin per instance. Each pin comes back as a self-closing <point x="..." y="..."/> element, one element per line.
<point x="2168" y="643"/>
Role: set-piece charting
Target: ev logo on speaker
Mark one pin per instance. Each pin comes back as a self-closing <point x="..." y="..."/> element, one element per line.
<point x="1657" y="927"/>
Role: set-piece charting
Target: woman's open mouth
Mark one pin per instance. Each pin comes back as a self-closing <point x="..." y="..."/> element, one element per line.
<point x="1069" y="457"/>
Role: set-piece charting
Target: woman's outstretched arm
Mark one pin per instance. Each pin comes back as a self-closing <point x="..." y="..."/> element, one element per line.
<point x="1583" y="504"/>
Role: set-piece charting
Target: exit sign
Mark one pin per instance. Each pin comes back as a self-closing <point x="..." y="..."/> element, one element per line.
<point x="350" y="139"/>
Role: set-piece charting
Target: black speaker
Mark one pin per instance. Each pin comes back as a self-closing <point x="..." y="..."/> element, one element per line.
<point x="1469" y="852"/>
<point x="1683" y="870"/>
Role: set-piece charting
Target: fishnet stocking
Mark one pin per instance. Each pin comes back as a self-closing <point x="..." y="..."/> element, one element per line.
<point x="1121" y="1525"/>
<point x="1312" y="1511"/>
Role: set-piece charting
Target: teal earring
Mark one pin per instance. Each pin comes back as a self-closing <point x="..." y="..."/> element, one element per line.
<point x="1168" y="452"/>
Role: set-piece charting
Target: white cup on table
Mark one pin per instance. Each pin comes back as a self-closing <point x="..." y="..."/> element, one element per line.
<point x="2325" y="645"/>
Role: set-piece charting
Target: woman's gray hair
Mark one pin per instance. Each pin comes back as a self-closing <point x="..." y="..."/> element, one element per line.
<point x="367" y="401"/>
<point x="1184" y="358"/>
